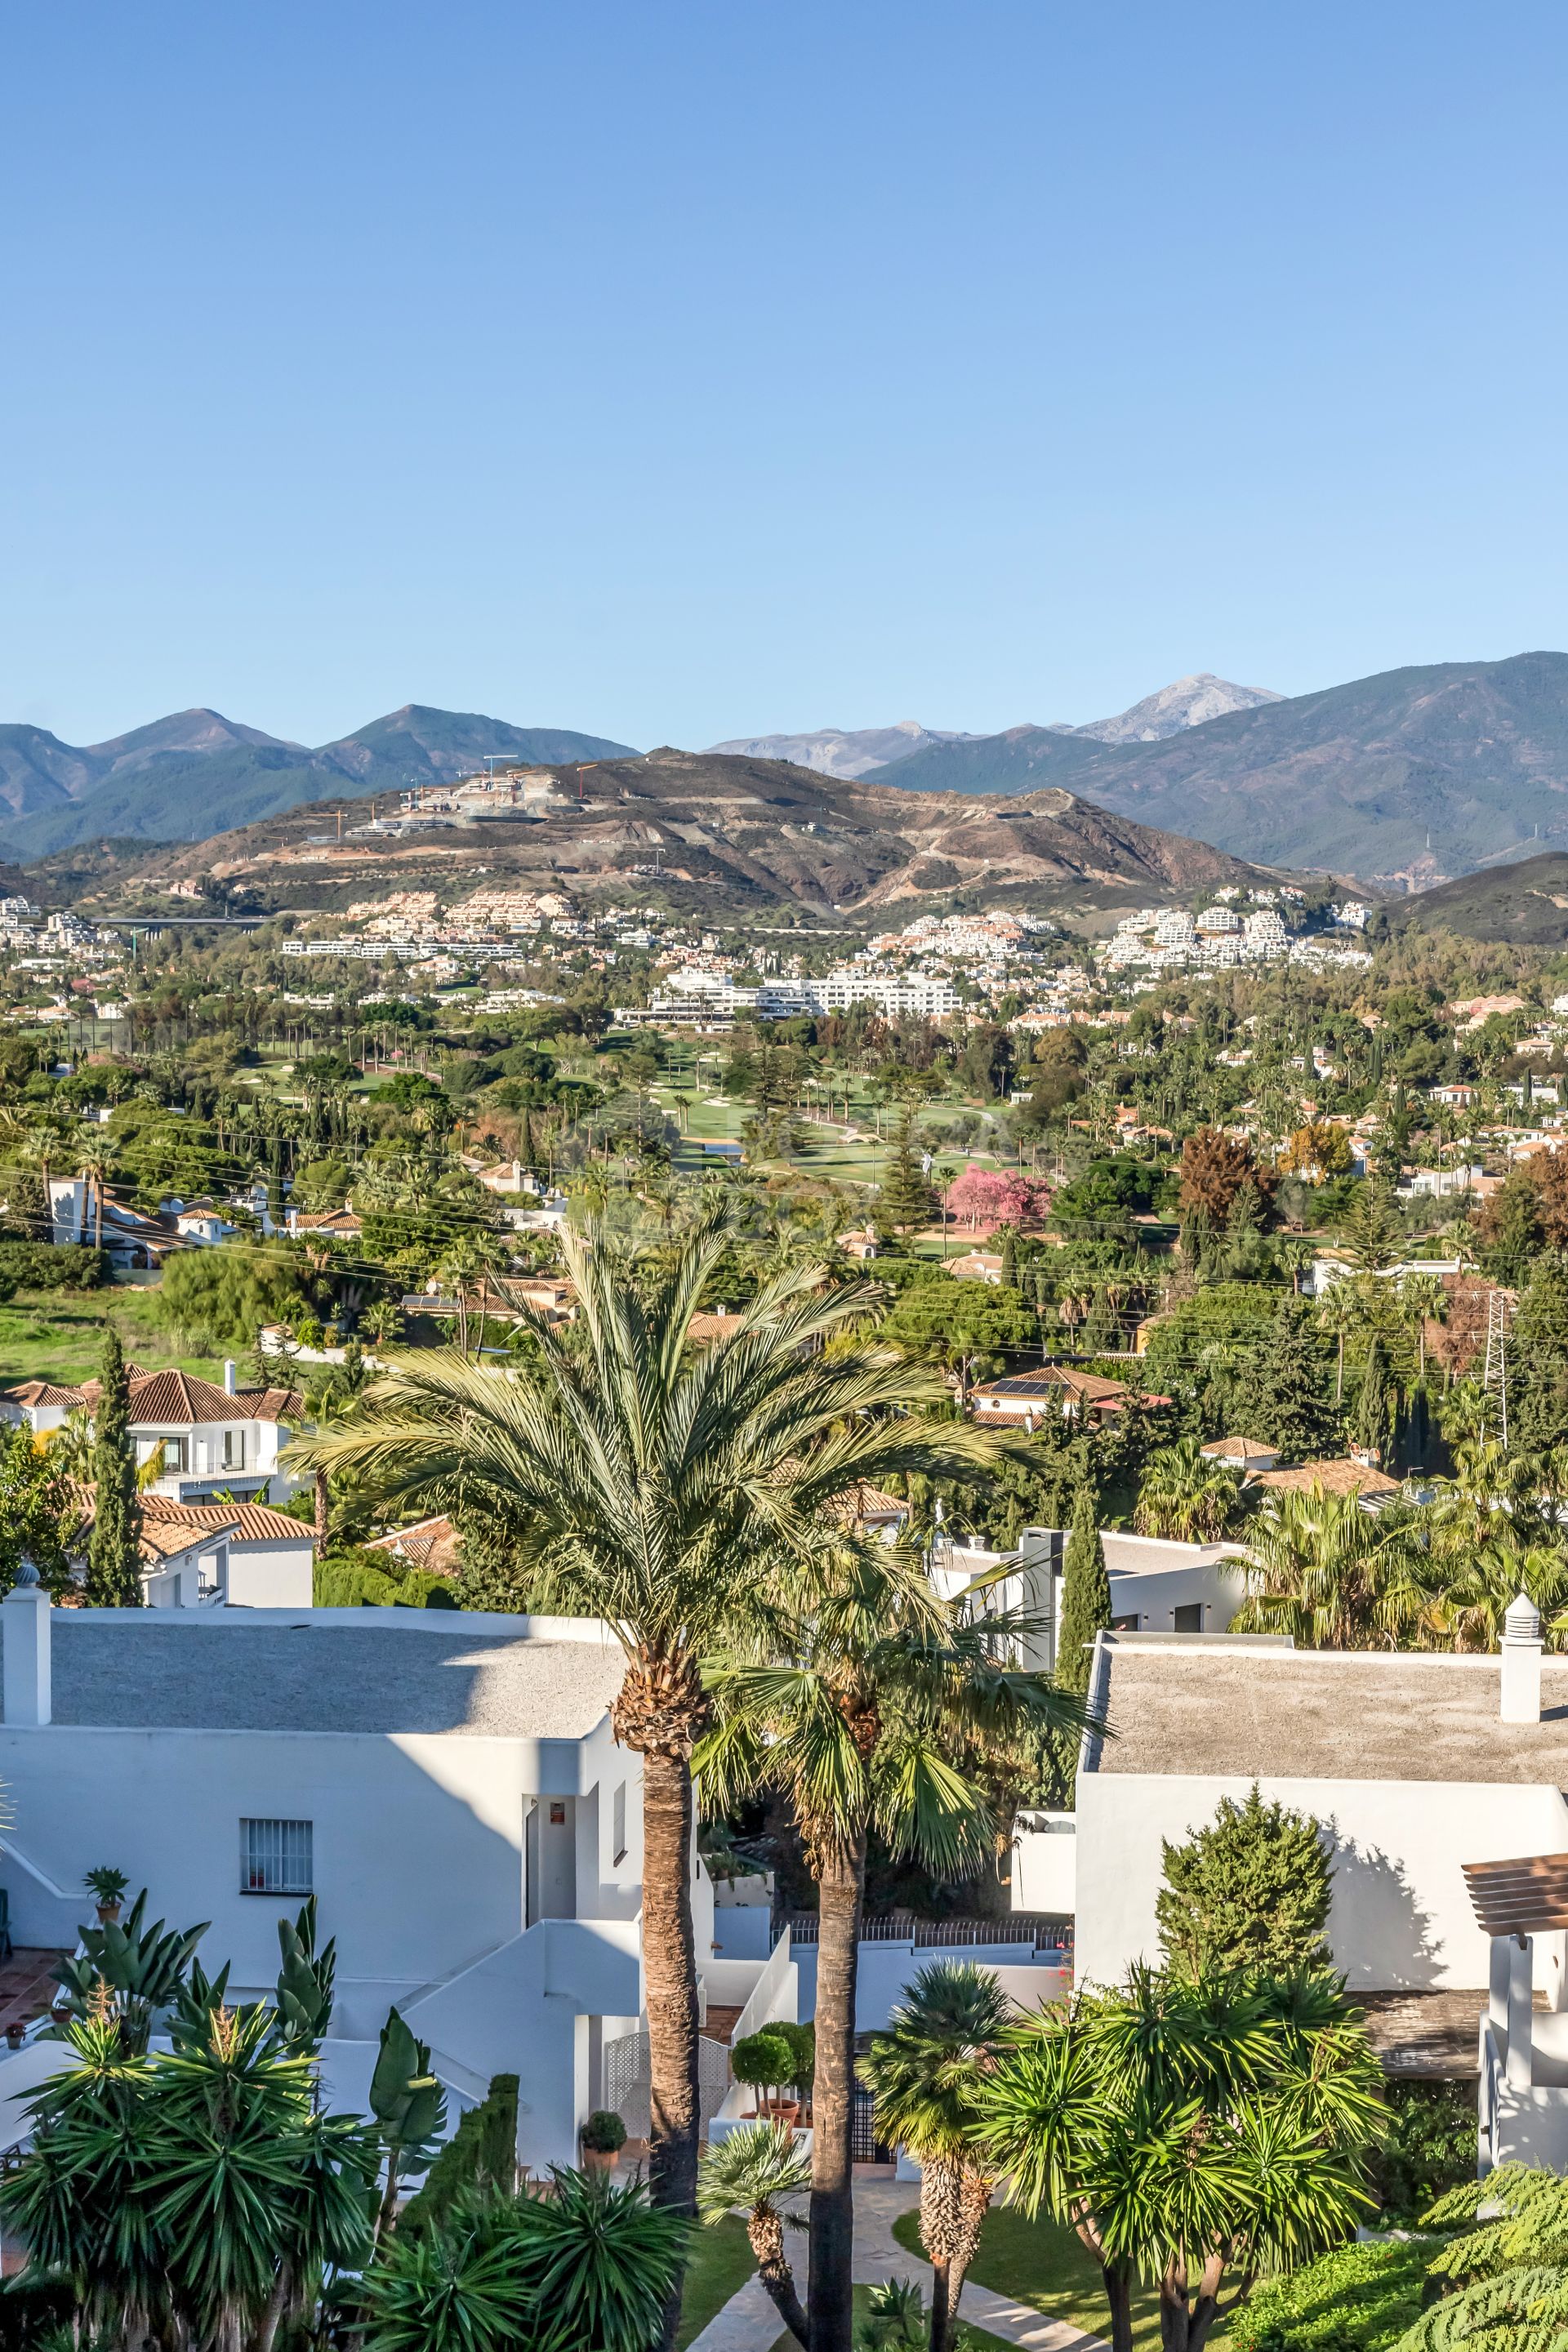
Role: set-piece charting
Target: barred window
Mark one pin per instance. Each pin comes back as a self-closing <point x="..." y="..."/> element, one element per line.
<point x="275" y="1858"/>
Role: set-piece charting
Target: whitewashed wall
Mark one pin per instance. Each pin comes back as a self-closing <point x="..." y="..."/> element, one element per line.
<point x="1401" y="1918"/>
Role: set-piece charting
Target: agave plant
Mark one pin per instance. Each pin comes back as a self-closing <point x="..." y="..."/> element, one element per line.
<point x="141" y="1968"/>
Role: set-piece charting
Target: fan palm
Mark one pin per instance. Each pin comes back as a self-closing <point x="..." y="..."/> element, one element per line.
<point x="1325" y="1571"/>
<point x="663" y="1488"/>
<point x="1183" y="1495"/>
<point x="759" y="2171"/>
<point x="885" y="1703"/>
<point x="922" y="2075"/>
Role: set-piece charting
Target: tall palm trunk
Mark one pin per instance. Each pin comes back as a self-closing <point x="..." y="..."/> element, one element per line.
<point x="942" y="2225"/>
<point x="840" y="1882"/>
<point x="322" y="1501"/>
<point x="660" y="1711"/>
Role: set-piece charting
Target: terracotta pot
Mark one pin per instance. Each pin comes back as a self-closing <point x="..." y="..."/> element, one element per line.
<point x="108" y="1915"/>
<point x="599" y="2160"/>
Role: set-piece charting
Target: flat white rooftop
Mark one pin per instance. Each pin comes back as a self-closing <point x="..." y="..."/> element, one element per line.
<point x="371" y="1670"/>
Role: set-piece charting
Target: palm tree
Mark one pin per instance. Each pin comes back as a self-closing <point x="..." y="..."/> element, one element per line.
<point x="882" y="1707"/>
<point x="922" y="2075"/>
<point x="1184" y="1496"/>
<point x="1341" y="1311"/>
<point x="94" y="1159"/>
<point x="462" y="1267"/>
<point x="760" y="2171"/>
<point x="665" y="1489"/>
<point x="326" y="1402"/>
<point x="1323" y="1571"/>
<point x="1473" y="1589"/>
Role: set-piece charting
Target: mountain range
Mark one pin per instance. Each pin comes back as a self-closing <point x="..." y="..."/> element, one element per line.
<point x="196" y="772"/>
<point x="1406" y="779"/>
<point x="860" y="751"/>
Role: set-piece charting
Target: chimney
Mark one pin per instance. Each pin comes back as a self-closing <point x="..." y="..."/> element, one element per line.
<point x="1521" y="1662"/>
<point x="25" y="1612"/>
<point x="228" y="1376"/>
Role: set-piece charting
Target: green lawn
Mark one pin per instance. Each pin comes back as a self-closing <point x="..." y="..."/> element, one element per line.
<point x="1042" y="2263"/>
<point x="719" y="2266"/>
<point x="57" y="1334"/>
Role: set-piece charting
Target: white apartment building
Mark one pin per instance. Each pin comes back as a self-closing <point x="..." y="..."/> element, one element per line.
<point x="208" y="1438"/>
<point x="447" y="1786"/>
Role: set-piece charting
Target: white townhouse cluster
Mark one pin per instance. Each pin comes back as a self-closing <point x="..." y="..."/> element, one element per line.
<point x="1219" y="937"/>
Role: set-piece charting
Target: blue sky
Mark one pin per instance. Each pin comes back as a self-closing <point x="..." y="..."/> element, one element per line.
<point x="676" y="370"/>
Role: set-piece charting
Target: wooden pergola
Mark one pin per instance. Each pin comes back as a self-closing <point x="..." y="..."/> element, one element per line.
<point x="1528" y="1897"/>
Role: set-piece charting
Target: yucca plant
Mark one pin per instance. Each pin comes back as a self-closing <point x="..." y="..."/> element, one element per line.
<point x="1194" y="2132"/>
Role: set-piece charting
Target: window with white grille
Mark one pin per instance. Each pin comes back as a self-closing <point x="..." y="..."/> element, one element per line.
<point x="618" y="1825"/>
<point x="275" y="1858"/>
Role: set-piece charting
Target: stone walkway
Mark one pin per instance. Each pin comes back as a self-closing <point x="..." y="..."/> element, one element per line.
<point x="749" y="2323"/>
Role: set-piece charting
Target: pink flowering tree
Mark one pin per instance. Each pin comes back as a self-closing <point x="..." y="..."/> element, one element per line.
<point x="984" y="1197"/>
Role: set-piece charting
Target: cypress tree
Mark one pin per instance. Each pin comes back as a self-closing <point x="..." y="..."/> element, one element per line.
<point x="1249" y="1890"/>
<point x="1374" y="1405"/>
<point x="1287" y="1406"/>
<point x="113" y="1564"/>
<point x="1086" y="1612"/>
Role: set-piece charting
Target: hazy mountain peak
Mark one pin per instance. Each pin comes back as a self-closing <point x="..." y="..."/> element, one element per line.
<point x="843" y="751"/>
<point x="1188" y="702"/>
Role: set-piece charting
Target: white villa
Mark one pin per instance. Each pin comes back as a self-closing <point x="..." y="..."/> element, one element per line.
<point x="210" y="1439"/>
<point x="1419" y="1764"/>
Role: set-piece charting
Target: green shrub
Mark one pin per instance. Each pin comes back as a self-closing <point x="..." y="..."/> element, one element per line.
<point x="604" y="2133"/>
<point x="352" y="1576"/>
<point x="1430" y="2148"/>
<point x="1357" y="2299"/>
<point x="34" y="1265"/>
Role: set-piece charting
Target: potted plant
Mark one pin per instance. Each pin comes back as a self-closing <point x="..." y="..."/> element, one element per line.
<point x="802" y="2040"/>
<point x="762" y="2061"/>
<point x="603" y="2137"/>
<point x="108" y="1886"/>
<point x="15" y="2032"/>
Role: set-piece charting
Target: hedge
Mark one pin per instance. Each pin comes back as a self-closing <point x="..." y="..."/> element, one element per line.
<point x="1357" y="2299"/>
<point x="480" y="2154"/>
<point x="35" y="1266"/>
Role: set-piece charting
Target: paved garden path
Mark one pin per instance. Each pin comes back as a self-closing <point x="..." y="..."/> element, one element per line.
<point x="749" y="2323"/>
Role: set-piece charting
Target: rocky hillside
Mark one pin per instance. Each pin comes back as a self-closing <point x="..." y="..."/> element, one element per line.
<point x="700" y="829"/>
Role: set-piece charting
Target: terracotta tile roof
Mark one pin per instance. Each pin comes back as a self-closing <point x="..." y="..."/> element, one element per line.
<point x="1240" y="1449"/>
<point x="36" y="1392"/>
<point x="172" y="1397"/>
<point x="251" y="1522"/>
<point x="703" y="1330"/>
<point x="1334" y="1477"/>
<point x="1089" y="1386"/>
<point x="162" y="1540"/>
<point x="429" y="1544"/>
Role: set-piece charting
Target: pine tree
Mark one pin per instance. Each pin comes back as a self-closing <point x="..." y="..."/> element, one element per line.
<point x="1289" y="1406"/>
<point x="113" y="1564"/>
<point x="1085" y="1611"/>
<point x="906" y="1200"/>
<point x="1251" y="1889"/>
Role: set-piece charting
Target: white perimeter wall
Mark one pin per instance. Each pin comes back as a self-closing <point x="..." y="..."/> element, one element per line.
<point x="1401" y="1918"/>
<point x="270" y="1575"/>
